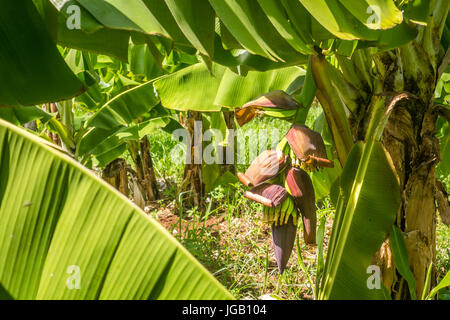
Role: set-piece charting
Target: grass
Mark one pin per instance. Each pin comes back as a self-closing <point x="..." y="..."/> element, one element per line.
<point x="231" y="241"/>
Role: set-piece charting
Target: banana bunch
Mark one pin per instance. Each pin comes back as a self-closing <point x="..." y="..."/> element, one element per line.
<point x="280" y="182"/>
<point x="280" y="215"/>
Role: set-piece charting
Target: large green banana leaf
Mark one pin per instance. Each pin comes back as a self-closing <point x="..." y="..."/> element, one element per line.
<point x="280" y="31"/>
<point x="92" y="35"/>
<point x="194" y="88"/>
<point x="351" y="20"/>
<point x="125" y="107"/>
<point x="252" y="28"/>
<point x="31" y="69"/>
<point x="363" y="219"/>
<point x="369" y="200"/>
<point x="235" y="91"/>
<point x="65" y="234"/>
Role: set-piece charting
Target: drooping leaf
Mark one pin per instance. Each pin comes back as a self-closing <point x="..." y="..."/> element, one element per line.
<point x="123" y="15"/>
<point x="31" y="69"/>
<point x="276" y="14"/>
<point x="130" y="133"/>
<point x="92" y="35"/>
<point x="417" y="11"/>
<point x="250" y="26"/>
<point x="196" y="19"/>
<point x="235" y="90"/>
<point x="375" y="14"/>
<point x="143" y="62"/>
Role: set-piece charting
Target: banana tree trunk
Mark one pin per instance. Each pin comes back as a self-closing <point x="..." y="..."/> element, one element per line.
<point x="145" y="172"/>
<point x="115" y="174"/>
<point x="412" y="72"/>
<point x="192" y="181"/>
<point x="150" y="183"/>
<point x="410" y="141"/>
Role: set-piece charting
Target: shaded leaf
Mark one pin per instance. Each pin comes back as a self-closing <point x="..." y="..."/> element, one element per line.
<point x="31" y="69"/>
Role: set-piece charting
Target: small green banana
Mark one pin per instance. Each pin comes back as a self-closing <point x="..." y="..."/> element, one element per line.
<point x="283" y="146"/>
<point x="284" y="208"/>
<point x="277" y="213"/>
<point x="286" y="186"/>
<point x="293" y="157"/>
<point x="265" y="214"/>
<point x="270" y="214"/>
<point x="280" y="215"/>
<point x="289" y="210"/>
<point x="295" y="217"/>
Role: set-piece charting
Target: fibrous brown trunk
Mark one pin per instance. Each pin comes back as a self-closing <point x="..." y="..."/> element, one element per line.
<point x="115" y="174"/>
<point x="192" y="181"/>
<point x="414" y="150"/>
<point x="144" y="169"/>
<point x="150" y="184"/>
<point x="410" y="140"/>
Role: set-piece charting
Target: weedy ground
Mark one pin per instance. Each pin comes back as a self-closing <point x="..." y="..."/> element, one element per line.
<point x="230" y="240"/>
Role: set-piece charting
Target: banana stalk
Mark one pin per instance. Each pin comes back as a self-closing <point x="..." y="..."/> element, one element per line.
<point x="333" y="107"/>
